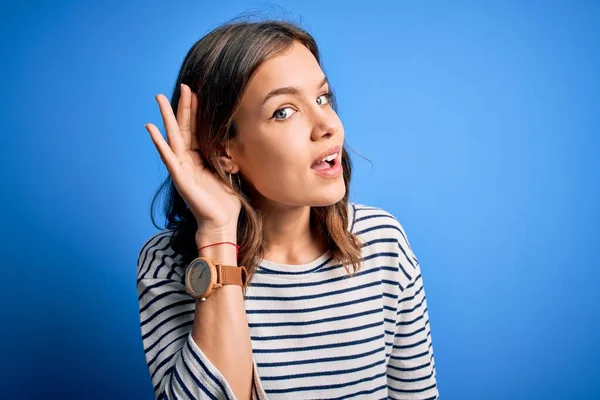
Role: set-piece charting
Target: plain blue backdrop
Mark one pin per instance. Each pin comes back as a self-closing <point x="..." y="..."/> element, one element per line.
<point x="481" y="120"/>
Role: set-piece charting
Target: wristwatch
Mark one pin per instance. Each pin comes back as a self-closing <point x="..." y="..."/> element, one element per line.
<point x="203" y="275"/>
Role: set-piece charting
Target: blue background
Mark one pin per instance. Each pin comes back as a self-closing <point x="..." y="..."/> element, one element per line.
<point x="481" y="120"/>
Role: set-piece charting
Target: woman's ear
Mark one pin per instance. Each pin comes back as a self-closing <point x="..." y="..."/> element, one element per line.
<point x="227" y="157"/>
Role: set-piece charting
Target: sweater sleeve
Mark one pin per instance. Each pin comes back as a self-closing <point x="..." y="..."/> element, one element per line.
<point x="411" y="368"/>
<point x="178" y="368"/>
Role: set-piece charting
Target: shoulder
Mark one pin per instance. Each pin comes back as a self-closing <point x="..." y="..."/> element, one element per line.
<point x="365" y="219"/>
<point x="381" y="232"/>
<point x="157" y="259"/>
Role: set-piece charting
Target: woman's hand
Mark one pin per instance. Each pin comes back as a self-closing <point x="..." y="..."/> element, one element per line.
<point x="213" y="203"/>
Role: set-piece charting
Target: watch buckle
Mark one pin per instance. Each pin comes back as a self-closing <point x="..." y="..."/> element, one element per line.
<point x="219" y="282"/>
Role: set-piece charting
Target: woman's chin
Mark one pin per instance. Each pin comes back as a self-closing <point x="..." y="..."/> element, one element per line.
<point x="328" y="197"/>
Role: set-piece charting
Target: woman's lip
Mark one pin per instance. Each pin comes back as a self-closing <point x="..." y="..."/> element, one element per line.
<point x="329" y="151"/>
<point x="334" y="171"/>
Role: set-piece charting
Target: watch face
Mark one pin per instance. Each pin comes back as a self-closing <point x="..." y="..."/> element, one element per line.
<point x="199" y="277"/>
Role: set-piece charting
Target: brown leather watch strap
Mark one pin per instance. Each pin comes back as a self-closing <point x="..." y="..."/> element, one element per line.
<point x="231" y="275"/>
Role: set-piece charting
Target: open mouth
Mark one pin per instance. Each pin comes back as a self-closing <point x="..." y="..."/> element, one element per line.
<point x="326" y="163"/>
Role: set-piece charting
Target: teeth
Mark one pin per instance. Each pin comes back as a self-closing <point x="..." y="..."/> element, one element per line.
<point x="330" y="157"/>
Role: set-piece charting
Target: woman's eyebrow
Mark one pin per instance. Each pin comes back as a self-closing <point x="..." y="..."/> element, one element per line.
<point x="289" y="90"/>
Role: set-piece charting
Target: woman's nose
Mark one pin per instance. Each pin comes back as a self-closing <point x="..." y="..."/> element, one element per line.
<point x="326" y="124"/>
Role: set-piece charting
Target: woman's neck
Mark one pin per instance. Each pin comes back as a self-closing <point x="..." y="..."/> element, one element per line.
<point x="289" y="237"/>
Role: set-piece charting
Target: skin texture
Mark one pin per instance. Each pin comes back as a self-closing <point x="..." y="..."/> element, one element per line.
<point x="278" y="151"/>
<point x="275" y="148"/>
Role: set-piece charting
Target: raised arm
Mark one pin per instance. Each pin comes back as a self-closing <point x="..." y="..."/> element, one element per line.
<point x="219" y="333"/>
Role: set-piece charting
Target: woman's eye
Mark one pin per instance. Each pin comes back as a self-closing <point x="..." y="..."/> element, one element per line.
<point x="326" y="99"/>
<point x="283" y="113"/>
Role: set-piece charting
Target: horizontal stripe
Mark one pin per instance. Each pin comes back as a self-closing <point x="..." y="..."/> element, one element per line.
<point x="412" y="321"/>
<point x="156" y="341"/>
<point x="409" y="380"/>
<point x="161" y="296"/>
<point x="412" y="390"/>
<point x="361" y="393"/>
<point x="316" y="374"/>
<point x="417" y="331"/>
<point x="410" y="369"/>
<point x="314" y="309"/>
<point x="214" y="379"/>
<point x="315" y="331"/>
<point x="436" y="397"/>
<point x="168" y="308"/>
<point x="319" y="360"/>
<point x="315" y="321"/>
<point x="294" y="388"/>
<point x="317" y="334"/>
<point x="314" y="296"/>
<point x="163" y="322"/>
<point x="326" y="281"/>
<point x="318" y="347"/>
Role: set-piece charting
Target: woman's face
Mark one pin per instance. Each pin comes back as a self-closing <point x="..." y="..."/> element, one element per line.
<point x="282" y="133"/>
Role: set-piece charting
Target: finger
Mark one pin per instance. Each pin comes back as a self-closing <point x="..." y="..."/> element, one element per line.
<point x="166" y="154"/>
<point x="194" y="112"/>
<point x="183" y="114"/>
<point x="194" y="124"/>
<point x="174" y="137"/>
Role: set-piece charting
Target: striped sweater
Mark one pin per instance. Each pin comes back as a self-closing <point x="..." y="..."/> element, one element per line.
<point x="316" y="333"/>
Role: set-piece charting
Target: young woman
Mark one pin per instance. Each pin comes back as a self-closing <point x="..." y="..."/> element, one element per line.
<point x="267" y="283"/>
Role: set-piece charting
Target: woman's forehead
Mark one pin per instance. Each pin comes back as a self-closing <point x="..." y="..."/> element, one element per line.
<point x="296" y="67"/>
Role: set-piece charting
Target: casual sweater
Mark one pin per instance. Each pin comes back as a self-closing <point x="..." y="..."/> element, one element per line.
<point x="316" y="332"/>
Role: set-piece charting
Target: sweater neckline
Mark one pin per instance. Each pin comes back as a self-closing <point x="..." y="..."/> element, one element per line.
<point x="299" y="271"/>
<point x="296" y="270"/>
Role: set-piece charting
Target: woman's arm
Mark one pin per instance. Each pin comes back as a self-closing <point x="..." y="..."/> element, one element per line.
<point x="411" y="368"/>
<point x="219" y="327"/>
<point x="411" y="372"/>
<point x="220" y="324"/>
<point x="184" y="361"/>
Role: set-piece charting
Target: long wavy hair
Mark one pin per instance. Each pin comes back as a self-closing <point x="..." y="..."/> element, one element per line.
<point x="218" y="68"/>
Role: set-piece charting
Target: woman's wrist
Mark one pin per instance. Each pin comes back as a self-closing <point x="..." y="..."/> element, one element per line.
<point x="205" y="236"/>
<point x="219" y="245"/>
